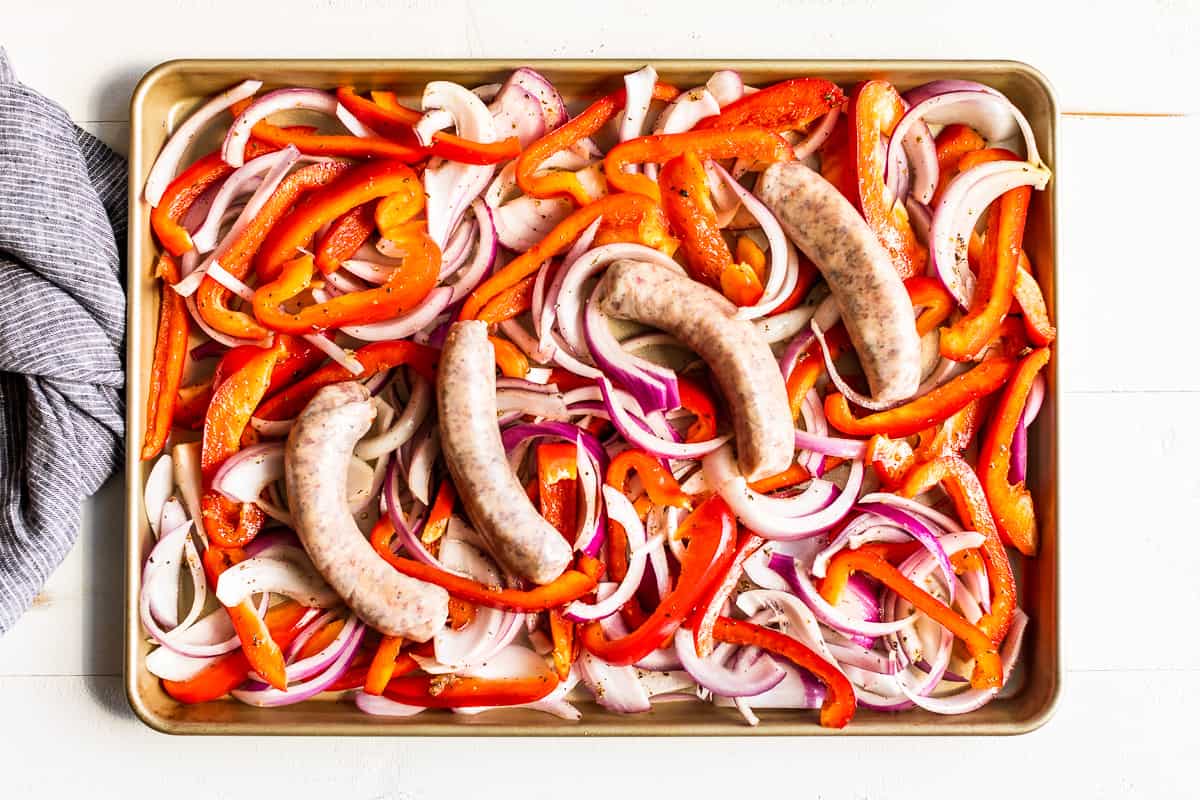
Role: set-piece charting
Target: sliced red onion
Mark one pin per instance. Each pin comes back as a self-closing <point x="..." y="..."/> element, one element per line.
<point x="318" y="662"/>
<point x="425" y="450"/>
<point x="167" y="163"/>
<point x="914" y="507"/>
<point x="511" y="437"/>
<point x="440" y="119"/>
<point x="921" y="532"/>
<point x="294" y="577"/>
<point x="458" y="249"/>
<point x="966" y="197"/>
<point x="655" y="387"/>
<point x="681" y="115"/>
<point x="535" y="403"/>
<point x="620" y="510"/>
<point x="244" y="180"/>
<point x="352" y="123"/>
<point x="485" y="254"/>
<point x="831" y="616"/>
<point x="268" y="697"/>
<point x="461" y="648"/>
<point x="337" y="354"/>
<point x="590" y="533"/>
<point x="831" y="445"/>
<point x="647" y="441"/>
<point x="551" y="102"/>
<point x="818" y="136"/>
<point x="159" y="485"/>
<point x="792" y="616"/>
<point x="518" y="113"/>
<point x="233" y="149"/>
<point x="763" y="675"/>
<point x="980" y="107"/>
<point x="615" y="688"/>
<point x="165" y="663"/>
<point x="543" y="319"/>
<point x="639" y="90"/>
<point x="726" y="86"/>
<point x="245" y="474"/>
<point x="407" y="532"/>
<point x="775" y="290"/>
<point x="451" y="187"/>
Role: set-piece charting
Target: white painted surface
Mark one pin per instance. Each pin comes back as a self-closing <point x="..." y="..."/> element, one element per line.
<point x="1130" y="495"/>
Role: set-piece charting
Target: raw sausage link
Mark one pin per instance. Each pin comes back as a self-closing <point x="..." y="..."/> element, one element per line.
<point x="315" y="465"/>
<point x="495" y="501"/>
<point x="734" y="349"/>
<point x="875" y="307"/>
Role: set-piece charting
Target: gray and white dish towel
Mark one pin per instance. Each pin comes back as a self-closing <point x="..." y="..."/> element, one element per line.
<point x="62" y="328"/>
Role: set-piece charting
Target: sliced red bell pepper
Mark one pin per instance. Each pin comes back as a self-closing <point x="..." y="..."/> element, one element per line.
<point x="954" y="434"/>
<point x="395" y="213"/>
<point x="571" y="585"/>
<point x="688" y="204"/>
<point x="786" y="106"/>
<point x="929" y="409"/>
<point x="696" y="399"/>
<point x="170" y="357"/>
<point x="557" y="472"/>
<point x="404" y="289"/>
<point x="395" y="120"/>
<point x="987" y="673"/>
<point x="838" y="162"/>
<point x="358" y="185"/>
<point x="959" y="480"/>
<point x="439" y="513"/>
<point x="509" y="358"/>
<point x="558" y="240"/>
<point x="383" y="665"/>
<point x="1029" y="298"/>
<point x="1012" y="506"/>
<point x="875" y="108"/>
<point x="657" y="481"/>
<point x="191" y="403"/>
<point x="890" y="458"/>
<point x="345" y="235"/>
<point x="453" y="691"/>
<point x="212" y="297"/>
<point x="373" y="358"/>
<point x="650" y="229"/>
<point x="561" y="182"/>
<point x="755" y="144"/>
<point x="932" y="298"/>
<point x="839" y="705"/>
<point x="229" y="671"/>
<point x="952" y="143"/>
<point x="792" y="476"/>
<point x="704" y="618"/>
<point x="711" y="531"/>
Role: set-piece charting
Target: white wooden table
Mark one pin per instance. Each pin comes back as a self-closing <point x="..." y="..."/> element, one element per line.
<point x="1126" y="74"/>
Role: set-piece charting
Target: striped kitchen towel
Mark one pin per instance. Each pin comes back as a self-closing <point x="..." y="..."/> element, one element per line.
<point x="62" y="324"/>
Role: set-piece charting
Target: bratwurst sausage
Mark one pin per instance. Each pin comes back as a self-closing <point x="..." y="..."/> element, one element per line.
<point x="316" y="461"/>
<point x="874" y="304"/>
<point x="734" y="349"/>
<point x="496" y="503"/>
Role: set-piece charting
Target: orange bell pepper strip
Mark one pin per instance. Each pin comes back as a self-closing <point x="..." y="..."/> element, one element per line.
<point x="509" y="358"/>
<point x="321" y="639"/>
<point x="359" y="185"/>
<point x="952" y="143"/>
<point x="930" y="409"/>
<point x="453" y="691"/>
<point x="838" y="708"/>
<point x="439" y="513"/>
<point x="998" y="270"/>
<point x="590" y="120"/>
<point x="170" y="357"/>
<point x="960" y="482"/>
<point x="688" y="204"/>
<point x="890" y="458"/>
<point x="1028" y="296"/>
<point x="711" y="531"/>
<point x="383" y="665"/>
<point x="404" y="289"/>
<point x="987" y="673"/>
<point x="212" y="297"/>
<point x="374" y="357"/>
<point x="555" y="242"/>
<point x="571" y="585"/>
<point x="755" y="144"/>
<point x="229" y="671"/>
<point x="935" y="302"/>
<point x="394" y="212"/>
<point x="1012" y="506"/>
<point x="346" y="234"/>
<point x="786" y="106"/>
<point x="264" y="654"/>
<point x="953" y="435"/>
<point x="395" y="120"/>
<point x="650" y="229"/>
<point x="875" y="108"/>
<point x="792" y="476"/>
<point x="704" y="619"/>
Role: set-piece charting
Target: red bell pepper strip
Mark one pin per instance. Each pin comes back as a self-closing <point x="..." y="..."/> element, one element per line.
<point x="890" y="458"/>
<point x="439" y="513"/>
<point x="571" y="585"/>
<point x="211" y="297"/>
<point x="952" y="143"/>
<point x="792" y="476"/>
<point x="838" y="162"/>
<point x="359" y="185"/>
<point x="229" y="671"/>
<point x="1012" y="506"/>
<point x="688" y="204"/>
<point x="875" y="108"/>
<point x="696" y="399"/>
<point x="650" y="229"/>
<point x="786" y="106"/>
<point x="987" y="673"/>
<point x="756" y="144"/>
<point x="959" y="480"/>
<point x="170" y="357"/>
<point x="263" y="653"/>
<point x="930" y="409"/>
<point x="373" y="357"/>
<point x="453" y="691"/>
<point x="404" y="289"/>
<point x="592" y="119"/>
<point x="557" y="472"/>
<point x="839" y="705"/>
<point x="953" y="435"/>
<point x="191" y="403"/>
<point x="346" y="234"/>
<point x="397" y="121"/>
<point x="932" y="298"/>
<point x="1029" y="298"/>
<point x="558" y="240"/>
<point x="657" y="481"/>
<point x="704" y="618"/>
<point x="712" y="533"/>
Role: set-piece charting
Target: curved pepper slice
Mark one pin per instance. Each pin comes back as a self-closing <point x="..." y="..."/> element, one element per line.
<point x="704" y="619"/>
<point x="454" y="691"/>
<point x="512" y="302"/>
<point x="1029" y="298"/>
<point x="953" y="435"/>
<point x="875" y="108"/>
<point x="625" y="206"/>
<point x="170" y="357"/>
<point x="211" y="297"/>
<point x="960" y="482"/>
<point x="712" y="533"/>
<point x="405" y="288"/>
<point x="397" y="121"/>
<point x="688" y="204"/>
<point x="755" y="144"/>
<point x="307" y="141"/>
<point x="930" y="409"/>
<point x="590" y="120"/>
<point x="987" y="673"/>
<point x="346" y="234"/>
<point x="839" y="705"/>
<point x="1012" y="506"/>
<point x="512" y="362"/>
<point x="785" y="106"/>
<point x="359" y="185"/>
<point x="952" y="143"/>
<point x="373" y="357"/>
<point x="890" y="458"/>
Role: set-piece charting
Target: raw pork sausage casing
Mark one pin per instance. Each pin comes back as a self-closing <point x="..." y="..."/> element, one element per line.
<point x="316" y="462"/>
<point x="734" y="350"/>
<point x="875" y="307"/>
<point x="493" y="498"/>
